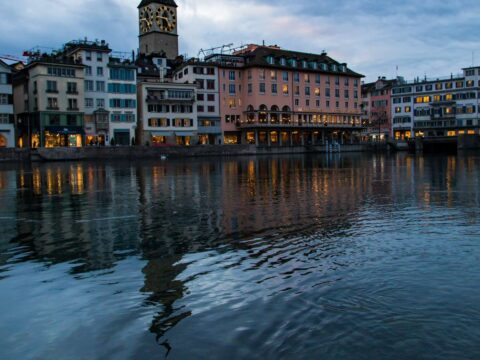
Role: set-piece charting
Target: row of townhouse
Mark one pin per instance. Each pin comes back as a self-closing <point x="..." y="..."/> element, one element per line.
<point x="263" y="95"/>
<point x="439" y="107"/>
<point x="80" y="96"/>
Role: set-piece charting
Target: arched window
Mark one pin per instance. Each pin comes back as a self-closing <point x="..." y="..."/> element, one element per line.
<point x="262" y="114"/>
<point x="286" y="115"/>
<point x="274" y="115"/>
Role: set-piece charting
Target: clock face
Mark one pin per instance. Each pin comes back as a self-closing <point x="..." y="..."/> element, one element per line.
<point x="166" y="19"/>
<point x="146" y="19"/>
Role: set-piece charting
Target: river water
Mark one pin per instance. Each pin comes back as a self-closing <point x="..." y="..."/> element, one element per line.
<point x="301" y="257"/>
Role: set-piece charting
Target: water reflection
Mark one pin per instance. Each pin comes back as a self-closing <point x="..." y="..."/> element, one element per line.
<point x="216" y="233"/>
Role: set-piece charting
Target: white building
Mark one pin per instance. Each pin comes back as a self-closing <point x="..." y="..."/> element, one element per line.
<point x="7" y="129"/>
<point x="437" y="107"/>
<point x="122" y="101"/>
<point x="205" y="76"/>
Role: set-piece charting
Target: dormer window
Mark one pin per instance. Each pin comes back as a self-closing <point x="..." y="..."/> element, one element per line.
<point x="304" y="64"/>
<point x="271" y="60"/>
<point x="314" y="65"/>
<point x="293" y="62"/>
<point x="324" y="67"/>
<point x="334" y="67"/>
<point x="283" y="62"/>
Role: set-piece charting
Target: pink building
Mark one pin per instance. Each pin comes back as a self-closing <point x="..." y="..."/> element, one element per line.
<point x="270" y="96"/>
<point x="376" y="114"/>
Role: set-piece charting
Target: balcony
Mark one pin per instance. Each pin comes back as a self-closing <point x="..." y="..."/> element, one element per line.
<point x="53" y="108"/>
<point x="73" y="109"/>
<point x="72" y="92"/>
<point x="52" y="91"/>
<point x="298" y="124"/>
<point x="162" y="99"/>
<point x="437" y="124"/>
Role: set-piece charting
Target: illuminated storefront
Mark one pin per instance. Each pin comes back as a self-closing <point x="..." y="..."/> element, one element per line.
<point x="63" y="137"/>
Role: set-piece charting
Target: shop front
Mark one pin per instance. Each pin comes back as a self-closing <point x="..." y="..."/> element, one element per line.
<point x="160" y="138"/>
<point x="184" y="138"/>
<point x="71" y="136"/>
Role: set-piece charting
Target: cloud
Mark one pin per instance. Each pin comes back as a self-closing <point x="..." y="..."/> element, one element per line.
<point x="372" y="36"/>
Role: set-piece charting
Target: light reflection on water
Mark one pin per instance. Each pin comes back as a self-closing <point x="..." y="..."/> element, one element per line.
<point x="343" y="256"/>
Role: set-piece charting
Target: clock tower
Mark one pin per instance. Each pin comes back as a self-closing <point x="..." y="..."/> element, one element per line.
<point x="158" y="27"/>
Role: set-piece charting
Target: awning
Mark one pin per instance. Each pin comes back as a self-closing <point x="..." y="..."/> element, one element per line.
<point x="162" y="133"/>
<point x="65" y="129"/>
<point x="185" y="133"/>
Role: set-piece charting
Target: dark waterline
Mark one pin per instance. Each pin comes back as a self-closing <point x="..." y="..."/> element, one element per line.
<point x="301" y="257"/>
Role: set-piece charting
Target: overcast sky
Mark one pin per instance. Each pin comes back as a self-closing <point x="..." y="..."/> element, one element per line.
<point x="432" y="37"/>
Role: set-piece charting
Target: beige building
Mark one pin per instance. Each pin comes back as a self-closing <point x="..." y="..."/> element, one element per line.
<point x="49" y="103"/>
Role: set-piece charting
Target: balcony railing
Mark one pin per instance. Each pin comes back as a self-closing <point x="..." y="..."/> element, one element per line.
<point x="53" y="108"/>
<point x="73" y="109"/>
<point x="292" y="124"/>
<point x="163" y="99"/>
<point x="72" y="92"/>
<point x="52" y="91"/>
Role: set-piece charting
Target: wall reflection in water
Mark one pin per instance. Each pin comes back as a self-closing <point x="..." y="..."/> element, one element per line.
<point x="95" y="214"/>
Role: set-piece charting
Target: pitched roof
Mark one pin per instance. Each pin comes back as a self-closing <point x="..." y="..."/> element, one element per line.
<point x="163" y="2"/>
<point x="258" y="57"/>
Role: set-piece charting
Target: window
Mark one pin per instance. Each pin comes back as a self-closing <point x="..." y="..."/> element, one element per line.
<point x="231" y="75"/>
<point x="88" y="55"/>
<point x="100" y="86"/>
<point x="88" y="70"/>
<point x="52" y="86"/>
<point x="419" y="88"/>
<point x="317" y="103"/>
<point x="346" y="94"/>
<point x="297" y="102"/>
<point x="317" y="91"/>
<point x="3" y="99"/>
<point x="61" y="72"/>
<point x="200" y="97"/>
<point x="398" y="109"/>
<point x="52" y="103"/>
<point x="355" y="94"/>
<point x="261" y="74"/>
<point x="99" y="57"/>
<point x="211" y="109"/>
<point x="100" y="103"/>
<point x="99" y="71"/>
<point x="307" y="103"/>
<point x="273" y="75"/>
<point x="250" y="88"/>
<point x="347" y="81"/>
<point x="470" y="83"/>
<point x="200" y="83"/>
<point x="285" y="76"/>
<point x="200" y="108"/>
<point x="437" y="98"/>
<point x="327" y="92"/>
<point x="307" y="91"/>
<point x="232" y="89"/>
<point x="122" y="74"/>
<point x="448" y="85"/>
<point x="88" y="85"/>
<point x="317" y="79"/>
<point x="296" y="77"/>
<point x="211" y="84"/>
<point x="327" y="103"/>
<point x="438" y="86"/>
<point x="337" y="80"/>
<point x="262" y="88"/>
<point x="459" y="84"/>
<point x="408" y="109"/>
<point x="88" y="102"/>
<point x="72" y="104"/>
<point x="306" y="78"/>
<point x="211" y="97"/>
<point x="274" y="89"/>
<point x="72" y="88"/>
<point x="337" y="93"/>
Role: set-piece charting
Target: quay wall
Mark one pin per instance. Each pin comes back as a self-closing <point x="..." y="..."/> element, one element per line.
<point x="145" y="152"/>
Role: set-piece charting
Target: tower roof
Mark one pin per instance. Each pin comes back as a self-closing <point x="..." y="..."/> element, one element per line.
<point x="163" y="2"/>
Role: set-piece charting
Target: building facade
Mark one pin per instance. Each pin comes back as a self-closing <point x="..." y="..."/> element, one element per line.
<point x="274" y="97"/>
<point x="122" y="101"/>
<point x="205" y="76"/>
<point x="376" y="114"/>
<point x="94" y="56"/>
<point x="49" y="102"/>
<point x="7" y="127"/>
<point x="437" y="107"/>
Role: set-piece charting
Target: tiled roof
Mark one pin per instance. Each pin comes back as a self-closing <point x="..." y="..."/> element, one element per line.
<point x="163" y="2"/>
<point x="259" y="56"/>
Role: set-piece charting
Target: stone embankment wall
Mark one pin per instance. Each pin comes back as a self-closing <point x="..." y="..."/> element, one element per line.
<point x="144" y="152"/>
